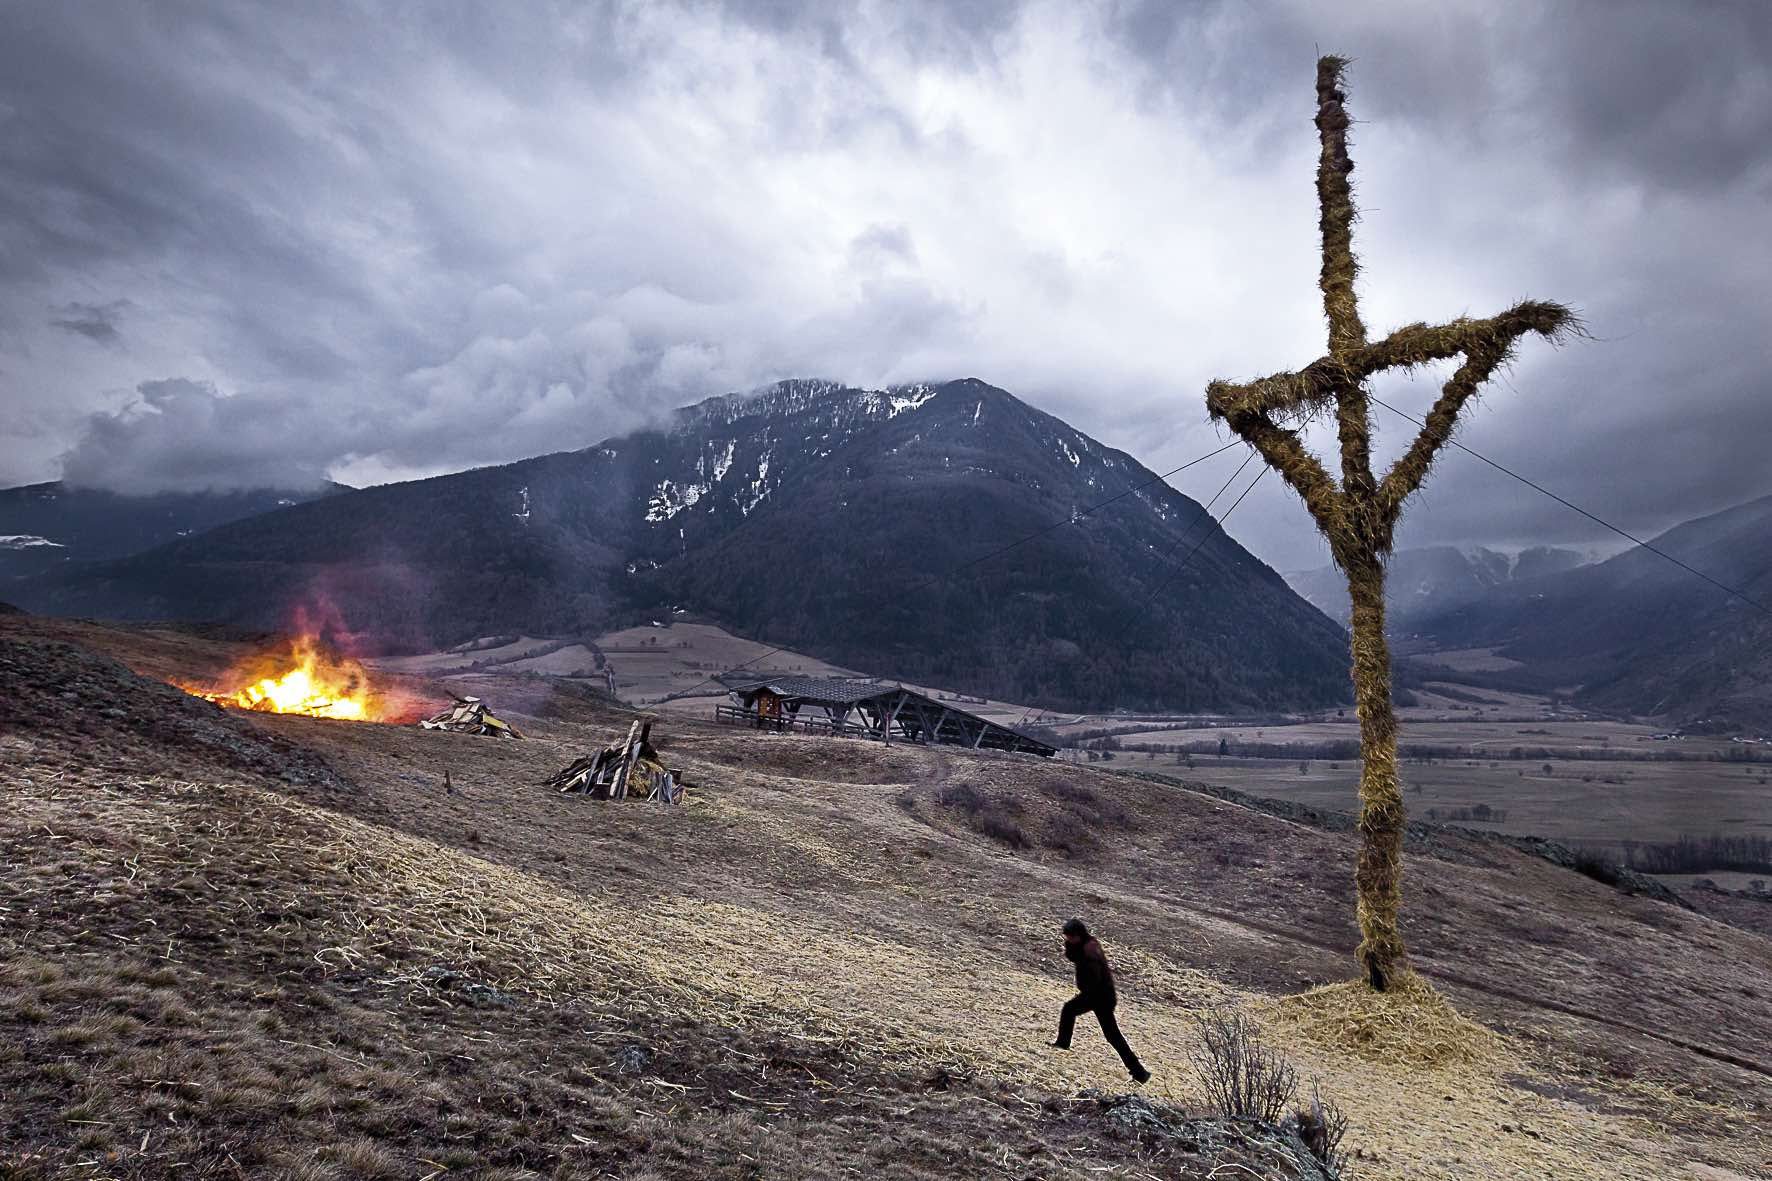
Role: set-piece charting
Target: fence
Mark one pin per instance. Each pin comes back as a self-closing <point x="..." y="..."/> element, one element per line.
<point x="732" y="715"/>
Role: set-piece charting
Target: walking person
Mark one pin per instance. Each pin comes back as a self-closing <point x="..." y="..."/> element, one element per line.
<point x="1095" y="994"/>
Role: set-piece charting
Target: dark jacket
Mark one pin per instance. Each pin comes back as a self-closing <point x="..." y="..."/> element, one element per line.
<point x="1095" y="980"/>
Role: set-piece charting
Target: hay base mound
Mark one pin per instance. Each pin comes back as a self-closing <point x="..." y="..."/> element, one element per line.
<point x="1410" y="1025"/>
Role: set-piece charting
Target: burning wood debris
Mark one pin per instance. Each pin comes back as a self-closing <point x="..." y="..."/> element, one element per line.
<point x="470" y="715"/>
<point x="310" y="680"/>
<point x="616" y="772"/>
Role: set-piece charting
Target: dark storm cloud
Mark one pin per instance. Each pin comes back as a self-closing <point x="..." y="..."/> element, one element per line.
<point x="182" y="435"/>
<point x="96" y="322"/>
<point x="1679" y="95"/>
<point x="1675" y="95"/>
<point x="344" y="233"/>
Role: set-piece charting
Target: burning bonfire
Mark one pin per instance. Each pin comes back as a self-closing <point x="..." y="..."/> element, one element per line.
<point x="307" y="680"/>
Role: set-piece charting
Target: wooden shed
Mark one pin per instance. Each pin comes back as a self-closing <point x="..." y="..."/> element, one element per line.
<point x="865" y="709"/>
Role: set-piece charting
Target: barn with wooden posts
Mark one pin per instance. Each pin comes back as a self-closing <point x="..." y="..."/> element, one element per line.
<point x="873" y="709"/>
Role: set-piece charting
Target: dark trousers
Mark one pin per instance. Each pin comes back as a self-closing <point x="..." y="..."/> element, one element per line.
<point x="1110" y="1029"/>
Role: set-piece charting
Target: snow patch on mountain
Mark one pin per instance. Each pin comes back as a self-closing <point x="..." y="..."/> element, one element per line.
<point x="759" y="487"/>
<point x="671" y="499"/>
<point x="908" y="398"/>
<point x="723" y="464"/>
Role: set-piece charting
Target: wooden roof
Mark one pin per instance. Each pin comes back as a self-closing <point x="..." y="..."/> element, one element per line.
<point x="892" y="707"/>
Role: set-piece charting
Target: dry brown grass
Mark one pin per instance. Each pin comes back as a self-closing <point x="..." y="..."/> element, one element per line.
<point x="295" y="935"/>
<point x="721" y="963"/>
<point x="795" y="936"/>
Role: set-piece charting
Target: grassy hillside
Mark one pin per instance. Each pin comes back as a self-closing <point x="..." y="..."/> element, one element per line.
<point x="279" y="944"/>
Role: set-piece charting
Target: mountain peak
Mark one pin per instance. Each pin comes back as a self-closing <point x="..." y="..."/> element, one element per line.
<point x="1427" y="580"/>
<point x="854" y="524"/>
<point x="799" y="396"/>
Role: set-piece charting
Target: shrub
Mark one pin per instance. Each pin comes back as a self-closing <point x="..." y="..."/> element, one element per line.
<point x="999" y="827"/>
<point x="1597" y="866"/>
<point x="1070" y="835"/>
<point x="1321" y="1124"/>
<point x="1089" y="807"/>
<point x="994" y="818"/>
<point x="1242" y="1078"/>
<point x="963" y="796"/>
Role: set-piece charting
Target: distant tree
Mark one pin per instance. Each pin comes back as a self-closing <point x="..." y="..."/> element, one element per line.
<point x="1359" y="516"/>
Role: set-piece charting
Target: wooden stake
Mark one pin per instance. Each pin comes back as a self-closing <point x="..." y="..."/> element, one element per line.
<point x="619" y="789"/>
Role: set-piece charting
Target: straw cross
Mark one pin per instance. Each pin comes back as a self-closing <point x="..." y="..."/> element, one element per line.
<point x="1364" y="509"/>
<point x="1359" y="515"/>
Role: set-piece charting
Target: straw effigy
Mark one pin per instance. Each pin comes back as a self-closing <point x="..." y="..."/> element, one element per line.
<point x="1359" y="516"/>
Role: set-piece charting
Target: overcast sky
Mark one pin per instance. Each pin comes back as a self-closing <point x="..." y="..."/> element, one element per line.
<point x="263" y="244"/>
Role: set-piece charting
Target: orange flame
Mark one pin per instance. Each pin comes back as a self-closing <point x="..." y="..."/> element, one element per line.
<point x="309" y="681"/>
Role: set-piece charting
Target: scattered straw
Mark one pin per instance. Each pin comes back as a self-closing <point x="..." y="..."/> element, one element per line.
<point x="1411" y="1024"/>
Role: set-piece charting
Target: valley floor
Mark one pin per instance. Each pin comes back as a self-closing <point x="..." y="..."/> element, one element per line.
<point x="245" y="945"/>
<point x="1586" y="802"/>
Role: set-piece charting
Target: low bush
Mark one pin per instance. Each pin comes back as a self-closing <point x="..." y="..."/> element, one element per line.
<point x="1321" y="1124"/>
<point x="1597" y="866"/>
<point x="1089" y="807"/>
<point x="998" y="819"/>
<point x="1245" y="1080"/>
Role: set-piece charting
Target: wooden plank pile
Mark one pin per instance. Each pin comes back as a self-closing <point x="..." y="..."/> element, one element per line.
<point x="616" y="772"/>
<point x="469" y="715"/>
